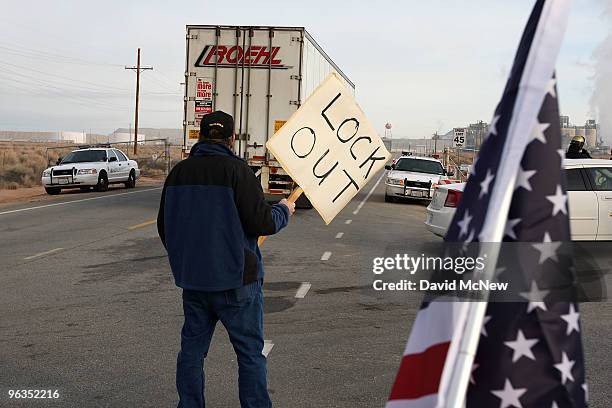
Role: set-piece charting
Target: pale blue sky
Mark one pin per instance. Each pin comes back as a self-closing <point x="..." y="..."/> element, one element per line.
<point x="423" y="66"/>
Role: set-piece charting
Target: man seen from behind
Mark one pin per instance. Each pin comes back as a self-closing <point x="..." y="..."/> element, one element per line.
<point x="211" y="214"/>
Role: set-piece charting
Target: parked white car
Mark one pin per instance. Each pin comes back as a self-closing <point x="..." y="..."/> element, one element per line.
<point x="589" y="185"/>
<point x="91" y="167"/>
<point x="413" y="177"/>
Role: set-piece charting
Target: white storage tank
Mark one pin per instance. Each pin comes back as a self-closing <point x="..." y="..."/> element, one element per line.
<point x="590" y="134"/>
<point x="74" y="137"/>
<point x="120" y="137"/>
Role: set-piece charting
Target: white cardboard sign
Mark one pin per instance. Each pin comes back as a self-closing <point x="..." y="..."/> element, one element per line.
<point x="329" y="148"/>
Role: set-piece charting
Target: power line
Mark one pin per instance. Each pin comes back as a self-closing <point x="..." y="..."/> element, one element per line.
<point x="170" y="82"/>
<point x="36" y="28"/>
<point x="50" y="86"/>
<point x="72" y="83"/>
<point x="27" y="87"/>
<point x="95" y="84"/>
<point x="159" y="83"/>
<point x="90" y="90"/>
<point x="37" y="54"/>
<point x="158" y="80"/>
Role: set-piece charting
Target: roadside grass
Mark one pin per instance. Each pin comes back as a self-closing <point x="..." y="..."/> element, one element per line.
<point x="21" y="164"/>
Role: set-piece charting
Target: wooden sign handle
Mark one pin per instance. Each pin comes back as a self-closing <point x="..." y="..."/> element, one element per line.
<point x="295" y="194"/>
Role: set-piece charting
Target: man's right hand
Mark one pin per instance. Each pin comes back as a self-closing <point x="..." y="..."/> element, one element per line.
<point x="290" y="206"/>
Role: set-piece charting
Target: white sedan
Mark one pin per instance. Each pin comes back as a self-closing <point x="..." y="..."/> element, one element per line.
<point x="413" y="177"/>
<point x="589" y="185"/>
<point x="91" y="167"/>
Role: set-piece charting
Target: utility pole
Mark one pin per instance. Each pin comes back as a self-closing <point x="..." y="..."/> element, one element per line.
<point x="478" y="139"/>
<point x="138" y="69"/>
<point x="435" y="138"/>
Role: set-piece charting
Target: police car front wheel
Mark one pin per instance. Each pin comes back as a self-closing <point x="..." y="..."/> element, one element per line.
<point x="102" y="183"/>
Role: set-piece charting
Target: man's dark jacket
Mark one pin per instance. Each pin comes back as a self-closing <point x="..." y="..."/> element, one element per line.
<point x="211" y="213"/>
<point x="574" y="152"/>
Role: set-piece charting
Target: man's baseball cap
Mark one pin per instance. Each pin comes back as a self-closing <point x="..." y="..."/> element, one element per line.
<point x="218" y="120"/>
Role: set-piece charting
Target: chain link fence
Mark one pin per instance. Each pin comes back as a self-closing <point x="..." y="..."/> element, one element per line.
<point x="155" y="157"/>
<point x="22" y="163"/>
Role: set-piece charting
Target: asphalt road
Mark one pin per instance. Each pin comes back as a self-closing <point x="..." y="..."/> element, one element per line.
<point x="88" y="306"/>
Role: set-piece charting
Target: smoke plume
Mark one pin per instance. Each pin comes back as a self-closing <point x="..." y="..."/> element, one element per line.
<point x="601" y="99"/>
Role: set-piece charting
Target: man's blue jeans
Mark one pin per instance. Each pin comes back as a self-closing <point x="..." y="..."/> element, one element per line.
<point x="241" y="312"/>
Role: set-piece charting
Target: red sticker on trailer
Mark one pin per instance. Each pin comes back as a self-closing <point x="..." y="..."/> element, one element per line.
<point x="203" y="99"/>
<point x="204" y="89"/>
<point x="203" y="106"/>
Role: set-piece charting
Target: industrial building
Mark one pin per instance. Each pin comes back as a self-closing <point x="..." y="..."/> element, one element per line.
<point x="475" y="134"/>
<point x="126" y="135"/>
<point x="120" y="135"/>
<point x="425" y="146"/>
<point x="590" y="132"/>
<point x="43" y="137"/>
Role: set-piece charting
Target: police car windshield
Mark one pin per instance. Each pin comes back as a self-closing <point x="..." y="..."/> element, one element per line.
<point x="419" y="166"/>
<point x="85" y="156"/>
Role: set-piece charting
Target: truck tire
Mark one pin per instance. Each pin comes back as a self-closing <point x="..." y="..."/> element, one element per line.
<point x="303" y="202"/>
<point x="53" y="190"/>
<point x="389" y="199"/>
<point x="102" y="183"/>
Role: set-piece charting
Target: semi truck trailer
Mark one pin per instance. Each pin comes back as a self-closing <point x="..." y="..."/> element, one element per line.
<point x="260" y="76"/>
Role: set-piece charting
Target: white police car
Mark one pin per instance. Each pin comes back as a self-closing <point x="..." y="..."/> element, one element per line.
<point x="88" y="167"/>
<point x="413" y="177"/>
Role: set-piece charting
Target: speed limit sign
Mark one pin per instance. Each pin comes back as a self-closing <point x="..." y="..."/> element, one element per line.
<point x="458" y="137"/>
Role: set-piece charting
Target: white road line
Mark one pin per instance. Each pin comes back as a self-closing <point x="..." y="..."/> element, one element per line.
<point x="27" y="258"/>
<point x="347" y="222"/>
<point x="339" y="235"/>
<point x="77" y="201"/>
<point x="326" y="255"/>
<point x="267" y="347"/>
<point x="369" y="194"/>
<point x="303" y="290"/>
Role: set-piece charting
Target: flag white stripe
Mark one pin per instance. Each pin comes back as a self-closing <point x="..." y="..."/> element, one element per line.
<point x="428" y="401"/>
<point x="433" y="325"/>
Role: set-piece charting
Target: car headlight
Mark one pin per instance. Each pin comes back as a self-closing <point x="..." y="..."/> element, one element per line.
<point x="87" y="171"/>
<point x="46" y="173"/>
<point x="397" y="182"/>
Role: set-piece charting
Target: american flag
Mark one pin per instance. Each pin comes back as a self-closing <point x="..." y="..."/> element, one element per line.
<point x="529" y="353"/>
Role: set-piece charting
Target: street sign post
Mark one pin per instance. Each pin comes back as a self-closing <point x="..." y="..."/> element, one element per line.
<point x="459" y="135"/>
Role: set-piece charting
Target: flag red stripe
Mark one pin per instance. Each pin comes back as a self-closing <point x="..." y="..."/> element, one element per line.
<point x="419" y="374"/>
